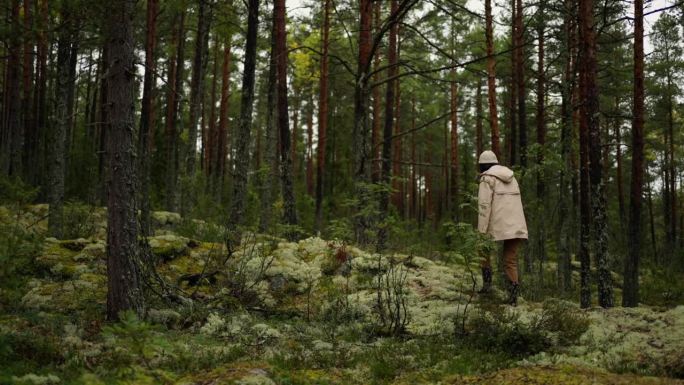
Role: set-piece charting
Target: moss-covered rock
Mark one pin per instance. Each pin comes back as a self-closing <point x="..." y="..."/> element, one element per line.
<point x="165" y="218"/>
<point x="167" y="247"/>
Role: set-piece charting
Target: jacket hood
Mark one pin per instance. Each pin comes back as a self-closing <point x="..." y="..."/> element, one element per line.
<point x="502" y="173"/>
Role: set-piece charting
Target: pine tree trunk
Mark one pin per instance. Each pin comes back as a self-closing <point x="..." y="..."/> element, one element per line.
<point x="491" y="79"/>
<point x="541" y="141"/>
<point x="27" y="86"/>
<point x="309" y="147"/>
<point x="630" y="291"/>
<point x="12" y="140"/>
<point x="322" y="117"/>
<point x="147" y="116"/>
<point x="103" y="129"/>
<point x="210" y="137"/>
<point x="479" y="142"/>
<point x="651" y="221"/>
<point x="377" y="103"/>
<point x="220" y="147"/>
<point x="454" y="164"/>
<point x="618" y="168"/>
<point x="522" y="111"/>
<point x="565" y="225"/>
<point x="173" y="111"/>
<point x="397" y="193"/>
<point x="671" y="165"/>
<point x="271" y="176"/>
<point x="73" y="61"/>
<point x="295" y="135"/>
<point x="57" y="167"/>
<point x="123" y="283"/>
<point x="360" y="134"/>
<point x="204" y="16"/>
<point x="584" y="194"/>
<point x="386" y="176"/>
<point x="590" y="111"/>
<point x="286" y="171"/>
<point x="512" y="137"/>
<point x="37" y="128"/>
<point x="243" y="133"/>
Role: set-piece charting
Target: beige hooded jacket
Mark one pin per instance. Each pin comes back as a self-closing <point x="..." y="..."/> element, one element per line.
<point x="500" y="207"/>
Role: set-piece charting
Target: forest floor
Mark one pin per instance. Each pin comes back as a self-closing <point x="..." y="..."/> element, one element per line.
<point x="307" y="312"/>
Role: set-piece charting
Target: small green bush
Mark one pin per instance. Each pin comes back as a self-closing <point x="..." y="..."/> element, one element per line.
<point x="79" y="221"/>
<point x="662" y="288"/>
<point x="30" y="350"/>
<point x="18" y="247"/>
<point x="14" y="190"/>
<point x="564" y="319"/>
<point x="499" y="330"/>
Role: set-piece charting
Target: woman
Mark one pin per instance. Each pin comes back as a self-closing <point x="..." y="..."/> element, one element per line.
<point x="501" y="216"/>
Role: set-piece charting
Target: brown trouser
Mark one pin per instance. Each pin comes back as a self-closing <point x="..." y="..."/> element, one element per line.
<point x="510" y="259"/>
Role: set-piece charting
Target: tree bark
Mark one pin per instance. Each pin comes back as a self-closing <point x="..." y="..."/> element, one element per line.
<point x="520" y="88"/>
<point x="197" y="83"/>
<point x="454" y="161"/>
<point x="13" y="135"/>
<point x="567" y="170"/>
<point x="630" y="292"/>
<point x="173" y="98"/>
<point x="397" y="142"/>
<point x="310" y="186"/>
<point x="147" y="116"/>
<point x="220" y="147"/>
<point x="491" y="79"/>
<point x="589" y="118"/>
<point x="210" y="136"/>
<point x="360" y="134"/>
<point x="286" y="171"/>
<point x="377" y="103"/>
<point x="271" y="175"/>
<point x="541" y="141"/>
<point x="36" y="136"/>
<point x="27" y="86"/>
<point x="57" y="156"/>
<point x="103" y="128"/>
<point x="243" y="133"/>
<point x="618" y="168"/>
<point x="123" y="275"/>
<point x="479" y="140"/>
<point x="322" y="117"/>
<point x="386" y="176"/>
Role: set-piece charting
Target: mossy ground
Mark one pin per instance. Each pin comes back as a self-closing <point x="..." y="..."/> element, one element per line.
<point x="277" y="312"/>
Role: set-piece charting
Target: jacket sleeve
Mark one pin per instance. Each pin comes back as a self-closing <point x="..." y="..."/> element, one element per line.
<point x="484" y="203"/>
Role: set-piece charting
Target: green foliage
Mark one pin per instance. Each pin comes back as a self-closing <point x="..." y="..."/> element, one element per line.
<point x="383" y="364"/>
<point x="132" y="340"/>
<point x="341" y="229"/>
<point x="662" y="288"/>
<point x="13" y="190"/>
<point x="500" y="329"/>
<point x="564" y="320"/>
<point x="465" y="239"/>
<point x="80" y="221"/>
<point x="203" y="231"/>
<point x="18" y="248"/>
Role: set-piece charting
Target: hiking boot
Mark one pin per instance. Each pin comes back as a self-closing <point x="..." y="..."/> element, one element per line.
<point x="486" y="281"/>
<point x="513" y="294"/>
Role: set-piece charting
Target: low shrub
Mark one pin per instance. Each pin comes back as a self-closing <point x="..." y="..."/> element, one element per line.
<point x="499" y="329"/>
<point x="79" y="221"/>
